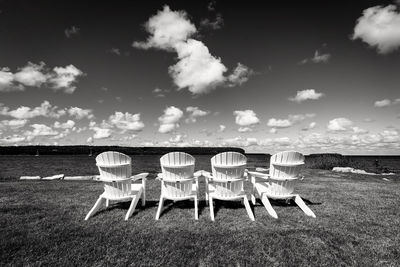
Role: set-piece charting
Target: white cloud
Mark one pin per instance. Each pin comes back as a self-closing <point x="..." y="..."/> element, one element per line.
<point x="317" y="58"/>
<point x="177" y="139"/>
<point x="244" y="129"/>
<point x="273" y="131"/>
<point x="7" y="81"/>
<point x="339" y="124"/>
<point x="40" y="130"/>
<point x="80" y="113"/>
<point x="312" y="125"/>
<point x="169" y="120"/>
<point x="66" y="125"/>
<point x="12" y="139"/>
<point x="308" y="94"/>
<point x="382" y="103"/>
<point x="69" y="32"/>
<point x="13" y="124"/>
<point x="196" y="69"/>
<point x="240" y="75"/>
<point x="159" y="92"/>
<point x="31" y="75"/>
<point x="64" y="78"/>
<point x="278" y="123"/>
<point x="36" y="75"/>
<point x="23" y="112"/>
<point x="126" y="121"/>
<point x="115" y="51"/>
<point x="358" y="130"/>
<point x="379" y="27"/>
<point x="101" y="133"/>
<point x="194" y="113"/>
<point x="221" y="128"/>
<point x="245" y="117"/>
<point x="90" y="140"/>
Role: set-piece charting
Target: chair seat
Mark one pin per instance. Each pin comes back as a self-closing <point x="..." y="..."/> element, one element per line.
<point x="136" y="191"/>
<point x="263" y="189"/>
<point x="214" y="194"/>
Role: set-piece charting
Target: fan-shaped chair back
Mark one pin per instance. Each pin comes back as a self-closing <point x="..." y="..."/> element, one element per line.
<point x="115" y="170"/>
<point x="177" y="170"/>
<point x="284" y="170"/>
<point x="228" y="173"/>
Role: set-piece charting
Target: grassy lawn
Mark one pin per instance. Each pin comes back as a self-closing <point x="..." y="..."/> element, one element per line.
<point x="358" y="222"/>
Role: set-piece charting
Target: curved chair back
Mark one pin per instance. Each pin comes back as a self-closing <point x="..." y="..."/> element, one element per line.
<point x="115" y="170"/>
<point x="228" y="173"/>
<point x="284" y="170"/>
<point x="177" y="169"/>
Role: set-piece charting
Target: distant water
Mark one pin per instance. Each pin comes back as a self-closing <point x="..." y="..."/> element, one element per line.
<point x="71" y="165"/>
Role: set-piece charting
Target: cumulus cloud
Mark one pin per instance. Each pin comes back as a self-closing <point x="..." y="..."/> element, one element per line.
<point x="40" y="130"/>
<point x="126" y="121"/>
<point x="69" y="32"/>
<point x="278" y="123"/>
<point x="80" y="113"/>
<point x="36" y="75"/>
<point x="358" y="130"/>
<point x="66" y="125"/>
<point x="246" y="117"/>
<point x="317" y="58"/>
<point x="13" y="124"/>
<point x="12" y="139"/>
<point x="196" y="69"/>
<point x="23" y="112"/>
<point x="221" y="128"/>
<point x="194" y="113"/>
<point x="31" y="75"/>
<point x="310" y="126"/>
<point x="64" y="78"/>
<point x="169" y="120"/>
<point x="240" y="75"/>
<point x="379" y="27"/>
<point x="339" y="124"/>
<point x="7" y="81"/>
<point x="308" y="94"/>
<point x="273" y="130"/>
<point x="386" y="103"/>
<point x="101" y="133"/>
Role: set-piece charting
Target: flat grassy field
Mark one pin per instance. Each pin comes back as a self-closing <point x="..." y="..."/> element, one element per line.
<point x="357" y="224"/>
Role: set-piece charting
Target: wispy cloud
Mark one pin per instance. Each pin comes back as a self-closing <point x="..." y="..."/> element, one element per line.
<point x="69" y="32"/>
<point x="386" y="103"/>
<point x="317" y="58"/>
<point x="215" y="24"/>
<point x="379" y="27"/>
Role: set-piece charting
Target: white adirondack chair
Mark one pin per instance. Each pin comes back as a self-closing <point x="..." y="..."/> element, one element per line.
<point x="178" y="180"/>
<point x="226" y="180"/>
<point x="115" y="172"/>
<point x="279" y="183"/>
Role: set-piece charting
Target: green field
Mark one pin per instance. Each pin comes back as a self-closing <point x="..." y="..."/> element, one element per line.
<point x="358" y="222"/>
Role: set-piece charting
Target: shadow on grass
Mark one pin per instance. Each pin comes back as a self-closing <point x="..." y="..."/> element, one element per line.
<point x="286" y="202"/>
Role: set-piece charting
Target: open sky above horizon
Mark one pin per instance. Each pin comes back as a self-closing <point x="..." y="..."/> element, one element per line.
<point x="312" y="76"/>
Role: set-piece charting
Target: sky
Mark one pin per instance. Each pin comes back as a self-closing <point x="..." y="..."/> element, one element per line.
<point x="311" y="76"/>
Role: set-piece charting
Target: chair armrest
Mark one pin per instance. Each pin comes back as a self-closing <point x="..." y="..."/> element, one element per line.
<point x="198" y="173"/>
<point x="207" y="175"/>
<point x="139" y="176"/>
<point x="259" y="169"/>
<point x="259" y="175"/>
<point x="159" y="176"/>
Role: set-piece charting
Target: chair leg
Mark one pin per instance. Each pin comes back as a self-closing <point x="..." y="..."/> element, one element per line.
<point x="210" y="202"/>
<point x="160" y="205"/>
<point x="267" y="205"/>
<point x="247" y="205"/>
<point x="132" y="207"/>
<point x="144" y="197"/>
<point x="196" y="209"/>
<point x="95" y="208"/>
<point x="303" y="206"/>
<point x="107" y="203"/>
<point x="253" y="191"/>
